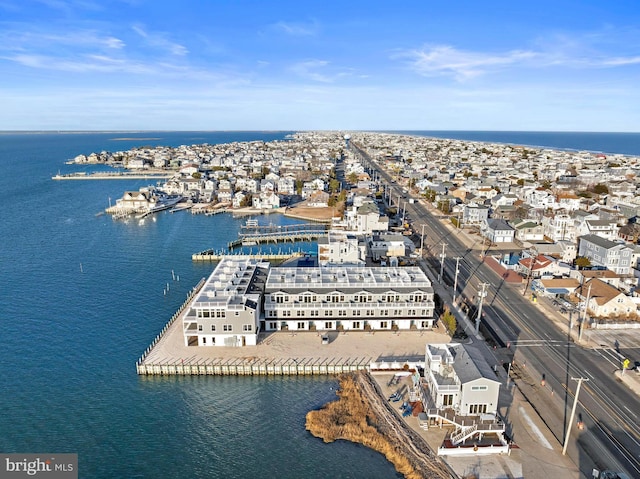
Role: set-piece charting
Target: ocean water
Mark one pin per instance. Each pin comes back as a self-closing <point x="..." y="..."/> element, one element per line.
<point x="623" y="143"/>
<point x="82" y="297"/>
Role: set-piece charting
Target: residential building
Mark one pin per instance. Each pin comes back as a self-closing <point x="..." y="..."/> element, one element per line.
<point x="330" y="298"/>
<point x="226" y="311"/>
<point x="605" y="300"/>
<point x="527" y="230"/>
<point x="498" y="231"/>
<point x="458" y="377"/>
<point x="605" y="253"/>
<point x="474" y="214"/>
<point x="341" y="248"/>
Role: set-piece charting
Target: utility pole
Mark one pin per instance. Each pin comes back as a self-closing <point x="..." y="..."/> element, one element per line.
<point x="584" y="314"/>
<point x="534" y="255"/>
<point x="481" y="295"/>
<point x="573" y="412"/>
<point x="443" y="255"/>
<point x="422" y="242"/>
<point x="455" y="279"/>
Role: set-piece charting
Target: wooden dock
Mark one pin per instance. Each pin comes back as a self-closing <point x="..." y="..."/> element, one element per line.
<point x="214" y="256"/>
<point x="115" y="175"/>
<point x="279" y="235"/>
<point x="256" y="367"/>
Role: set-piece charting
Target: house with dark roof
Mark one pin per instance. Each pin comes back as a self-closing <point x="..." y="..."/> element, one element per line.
<point x="605" y="253"/>
<point x="497" y="231"/>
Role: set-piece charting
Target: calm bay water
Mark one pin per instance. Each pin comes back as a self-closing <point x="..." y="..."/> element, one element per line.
<point x="82" y="297"/>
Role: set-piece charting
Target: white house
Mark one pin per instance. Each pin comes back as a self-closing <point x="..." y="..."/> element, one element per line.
<point x="458" y="377"/>
<point x="498" y="231"/>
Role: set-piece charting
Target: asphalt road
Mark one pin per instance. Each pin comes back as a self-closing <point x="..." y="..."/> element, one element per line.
<point x="539" y="350"/>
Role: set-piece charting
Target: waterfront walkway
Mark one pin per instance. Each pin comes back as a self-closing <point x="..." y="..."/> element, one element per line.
<point x="293" y="352"/>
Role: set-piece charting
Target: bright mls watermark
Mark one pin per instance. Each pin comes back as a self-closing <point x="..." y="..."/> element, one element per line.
<point x="47" y="466"/>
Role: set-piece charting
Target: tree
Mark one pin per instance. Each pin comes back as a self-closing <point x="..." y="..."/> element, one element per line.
<point x="520" y="182"/>
<point x="449" y="321"/>
<point x="246" y="201"/>
<point x="444" y="206"/>
<point x="429" y="194"/>
<point x="299" y="184"/>
<point x="352" y="178"/>
<point x="583" y="262"/>
<point x="196" y="174"/>
<point x="601" y="189"/>
<point x="334" y="186"/>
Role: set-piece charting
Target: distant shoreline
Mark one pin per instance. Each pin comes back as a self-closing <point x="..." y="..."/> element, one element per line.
<point x="133" y="139"/>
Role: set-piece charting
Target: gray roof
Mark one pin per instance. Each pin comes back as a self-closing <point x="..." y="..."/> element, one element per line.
<point x="469" y="364"/>
<point x="599" y="241"/>
<point x="499" y="225"/>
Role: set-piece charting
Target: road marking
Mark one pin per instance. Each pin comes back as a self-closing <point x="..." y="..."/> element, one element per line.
<point x="534" y="429"/>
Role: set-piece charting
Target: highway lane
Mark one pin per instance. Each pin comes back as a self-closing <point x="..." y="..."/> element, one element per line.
<point x="608" y="408"/>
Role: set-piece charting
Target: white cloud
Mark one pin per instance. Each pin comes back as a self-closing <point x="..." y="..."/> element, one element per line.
<point x="159" y="40"/>
<point x="296" y="29"/>
<point x="310" y="70"/>
<point x="570" y="53"/>
<point x="446" y="60"/>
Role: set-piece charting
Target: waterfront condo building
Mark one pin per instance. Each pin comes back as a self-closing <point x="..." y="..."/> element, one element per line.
<point x="226" y="310"/>
<point x="347" y="298"/>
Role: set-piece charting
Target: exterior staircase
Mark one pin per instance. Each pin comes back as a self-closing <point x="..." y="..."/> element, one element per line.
<point x="464" y="433"/>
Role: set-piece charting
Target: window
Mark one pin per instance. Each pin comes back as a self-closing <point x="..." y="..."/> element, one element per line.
<point x="213" y="327"/>
<point x="227" y="328"/>
<point x="247" y="328"/>
<point x="357" y="312"/>
<point x="424" y="324"/>
<point x="199" y="327"/>
<point x="330" y="312"/>
<point x="328" y="325"/>
<point x="299" y="313"/>
<point x="479" y="388"/>
<point x="384" y="324"/>
<point x="279" y="299"/>
<point x="273" y="325"/>
<point x="477" y="408"/>
<point x="447" y="400"/>
<point x="356" y="325"/>
<point x="204" y="340"/>
<point x="300" y="325"/>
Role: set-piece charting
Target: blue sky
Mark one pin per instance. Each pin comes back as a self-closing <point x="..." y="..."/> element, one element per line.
<point x="358" y="65"/>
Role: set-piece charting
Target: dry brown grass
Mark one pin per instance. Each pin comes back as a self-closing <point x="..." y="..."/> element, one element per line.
<point x="352" y="418"/>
